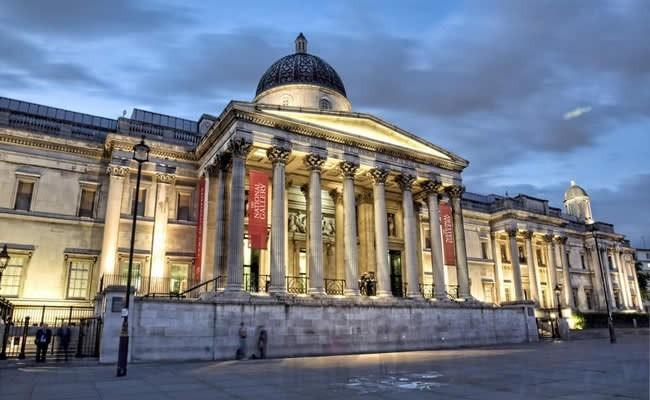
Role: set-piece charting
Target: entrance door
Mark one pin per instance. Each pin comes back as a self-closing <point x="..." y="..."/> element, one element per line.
<point x="395" y="260"/>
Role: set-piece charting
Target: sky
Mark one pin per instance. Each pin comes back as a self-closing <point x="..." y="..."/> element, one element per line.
<point x="533" y="93"/>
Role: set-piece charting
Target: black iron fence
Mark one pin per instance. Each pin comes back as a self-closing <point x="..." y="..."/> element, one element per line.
<point x="45" y="314"/>
<point x="335" y="287"/>
<point x="427" y="290"/>
<point x="452" y="292"/>
<point x="6" y="309"/>
<point x="297" y="284"/>
<point x="147" y="285"/>
<point x="257" y="282"/>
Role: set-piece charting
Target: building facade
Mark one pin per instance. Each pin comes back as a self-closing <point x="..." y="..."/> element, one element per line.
<point x="350" y="205"/>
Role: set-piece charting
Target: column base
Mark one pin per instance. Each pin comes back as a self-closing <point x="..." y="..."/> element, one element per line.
<point x="414" y="295"/>
<point x="233" y="288"/>
<point x="383" y="294"/>
<point x="351" y="292"/>
<point x="317" y="292"/>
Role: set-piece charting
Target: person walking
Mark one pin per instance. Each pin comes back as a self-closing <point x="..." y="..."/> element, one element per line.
<point x="64" y="335"/>
<point x="241" y="352"/>
<point x="262" y="341"/>
<point x="42" y="341"/>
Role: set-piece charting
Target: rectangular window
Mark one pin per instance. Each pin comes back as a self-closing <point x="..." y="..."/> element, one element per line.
<point x="506" y="292"/>
<point x="87" y="203"/>
<point x="24" y="195"/>
<point x="178" y="277"/>
<point x="302" y="262"/>
<point x="487" y="293"/>
<point x="522" y="255"/>
<point x="610" y="261"/>
<point x="540" y="258"/>
<point x="142" y="201"/>
<point x="78" y="279"/>
<point x="588" y="299"/>
<point x="184" y="201"/>
<point x="568" y="259"/>
<point x="617" y="299"/>
<point x="427" y="239"/>
<point x="484" y="252"/>
<point x="582" y="261"/>
<point x="136" y="276"/>
<point x="11" y="277"/>
<point x="543" y="298"/>
<point x="574" y="293"/>
<point x="504" y="253"/>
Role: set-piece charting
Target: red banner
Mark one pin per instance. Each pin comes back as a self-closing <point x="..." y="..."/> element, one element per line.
<point x="447" y="225"/>
<point x="257" y="208"/>
<point x="198" y="243"/>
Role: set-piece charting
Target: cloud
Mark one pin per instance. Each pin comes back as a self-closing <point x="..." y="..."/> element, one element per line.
<point x="576" y="112"/>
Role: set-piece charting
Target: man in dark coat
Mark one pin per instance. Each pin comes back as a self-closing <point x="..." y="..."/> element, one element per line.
<point x="262" y="341"/>
<point x="64" y="339"/>
<point x="42" y="341"/>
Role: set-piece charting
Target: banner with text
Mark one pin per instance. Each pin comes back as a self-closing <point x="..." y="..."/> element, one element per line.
<point x="447" y="227"/>
<point x="257" y="208"/>
<point x="198" y="244"/>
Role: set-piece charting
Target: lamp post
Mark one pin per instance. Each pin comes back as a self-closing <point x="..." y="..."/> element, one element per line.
<point x="610" y="322"/>
<point x="141" y="155"/>
<point x="4" y="261"/>
<point x="558" y="289"/>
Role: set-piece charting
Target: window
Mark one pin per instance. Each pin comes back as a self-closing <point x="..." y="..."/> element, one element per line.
<point x="325" y="104"/>
<point x="522" y="255"/>
<point x="582" y="261"/>
<point x="178" y="277"/>
<point x="136" y="275"/>
<point x="574" y="293"/>
<point x="24" y="193"/>
<point x="484" y="252"/>
<point x="542" y="299"/>
<point x="488" y="295"/>
<point x="589" y="299"/>
<point x="183" y="207"/>
<point x="11" y="277"/>
<point x="78" y="278"/>
<point x="506" y="292"/>
<point x="87" y="203"/>
<point x="540" y="258"/>
<point x="504" y="253"/>
<point x="617" y="299"/>
<point x="568" y="259"/>
<point x="610" y="261"/>
<point x="142" y="200"/>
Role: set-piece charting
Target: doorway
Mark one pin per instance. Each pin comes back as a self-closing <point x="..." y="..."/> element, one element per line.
<point x="395" y="261"/>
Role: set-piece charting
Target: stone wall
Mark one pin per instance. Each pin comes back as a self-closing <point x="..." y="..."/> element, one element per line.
<point x="184" y="330"/>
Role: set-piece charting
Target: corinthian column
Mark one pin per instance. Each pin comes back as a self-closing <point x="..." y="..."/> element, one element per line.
<point x="112" y="217"/>
<point x="433" y="190"/>
<point x="218" y="169"/>
<point x="316" y="284"/>
<point x="622" y="279"/>
<point x="348" y="171"/>
<point x="239" y="148"/>
<point x="410" y="236"/>
<point x="161" y="216"/>
<point x="516" y="268"/>
<point x="498" y="268"/>
<point x="278" y="156"/>
<point x="552" y="272"/>
<point x="339" y="222"/>
<point x="462" y="270"/>
<point x="568" y="295"/>
<point x="381" y="231"/>
<point x="532" y="267"/>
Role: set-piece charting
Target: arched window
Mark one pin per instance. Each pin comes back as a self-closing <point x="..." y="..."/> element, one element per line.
<point x="325" y="104"/>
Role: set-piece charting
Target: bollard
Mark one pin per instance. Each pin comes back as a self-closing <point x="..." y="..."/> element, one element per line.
<point x="80" y="339"/>
<point x="23" y="340"/>
<point x="5" y="339"/>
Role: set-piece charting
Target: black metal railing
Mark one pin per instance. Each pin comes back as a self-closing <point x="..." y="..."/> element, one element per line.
<point x="45" y="314"/>
<point x="297" y="284"/>
<point x="208" y="286"/>
<point x="335" y="287"/>
<point x="6" y="308"/>
<point x="427" y="290"/>
<point x="145" y="285"/>
<point x="257" y="283"/>
<point x="452" y="292"/>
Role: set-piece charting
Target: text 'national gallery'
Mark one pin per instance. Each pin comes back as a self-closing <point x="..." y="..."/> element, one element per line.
<point x="291" y="195"/>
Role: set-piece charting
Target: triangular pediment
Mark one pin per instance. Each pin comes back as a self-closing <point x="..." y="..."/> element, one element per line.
<point x="363" y="127"/>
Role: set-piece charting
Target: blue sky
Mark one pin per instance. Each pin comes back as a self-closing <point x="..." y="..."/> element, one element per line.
<point x="533" y="93"/>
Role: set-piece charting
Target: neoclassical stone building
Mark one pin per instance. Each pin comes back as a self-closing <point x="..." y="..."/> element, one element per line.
<point x="345" y="198"/>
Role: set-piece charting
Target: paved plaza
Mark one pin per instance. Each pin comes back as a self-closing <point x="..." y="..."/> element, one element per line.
<point x="584" y="369"/>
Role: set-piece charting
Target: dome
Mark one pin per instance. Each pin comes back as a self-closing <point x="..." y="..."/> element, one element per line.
<point x="574" y="191"/>
<point x="300" y="68"/>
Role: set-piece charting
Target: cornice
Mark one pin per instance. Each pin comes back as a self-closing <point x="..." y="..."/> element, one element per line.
<point x="51" y="145"/>
<point x="123" y="144"/>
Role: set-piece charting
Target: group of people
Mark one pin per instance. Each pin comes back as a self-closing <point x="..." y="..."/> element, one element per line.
<point x="43" y="339"/>
<point x="262" y="340"/>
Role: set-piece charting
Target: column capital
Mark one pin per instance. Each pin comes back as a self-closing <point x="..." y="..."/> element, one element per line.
<point x="561" y="240"/>
<point x="336" y="195"/>
<point x="314" y="161"/>
<point x="433" y="187"/>
<point x="117" y="171"/>
<point x="278" y="154"/>
<point x="512" y="231"/>
<point x="548" y="238"/>
<point x="365" y="198"/>
<point x="527" y="234"/>
<point x="348" y="169"/>
<point x="239" y="147"/>
<point x="455" y="191"/>
<point x="405" y="181"/>
<point x="378" y="175"/>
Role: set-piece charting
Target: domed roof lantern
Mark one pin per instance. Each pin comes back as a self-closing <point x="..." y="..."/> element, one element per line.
<point x="574" y="191"/>
<point x="301" y="44"/>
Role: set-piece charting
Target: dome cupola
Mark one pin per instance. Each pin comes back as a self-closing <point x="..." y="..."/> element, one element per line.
<point x="302" y="80"/>
<point x="577" y="203"/>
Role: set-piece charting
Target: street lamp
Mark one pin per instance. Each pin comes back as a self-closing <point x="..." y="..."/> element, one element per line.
<point x="4" y="261"/>
<point x="558" y="289"/>
<point x="610" y="322"/>
<point x="141" y="155"/>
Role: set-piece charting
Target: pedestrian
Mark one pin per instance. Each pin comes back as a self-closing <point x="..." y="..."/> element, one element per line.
<point x="241" y="352"/>
<point x="261" y="342"/>
<point x="64" y="335"/>
<point x="42" y="341"/>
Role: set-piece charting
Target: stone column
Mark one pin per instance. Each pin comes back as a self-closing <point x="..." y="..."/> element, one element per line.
<point x="568" y="288"/>
<point x="381" y="231"/>
<point x="608" y="277"/>
<point x="278" y="156"/>
<point x="348" y="171"/>
<point x="218" y="170"/>
<point x="516" y="268"/>
<point x="434" y="190"/>
<point x="239" y="148"/>
<point x="532" y="267"/>
<point x="597" y="280"/>
<point x="112" y="218"/>
<point x="161" y="216"/>
<point x="462" y="270"/>
<point x="552" y="272"/>
<point x="339" y="222"/>
<point x="639" y="301"/>
<point x="316" y="283"/>
<point x="498" y="267"/>
<point x="405" y="182"/>
<point x="622" y="279"/>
